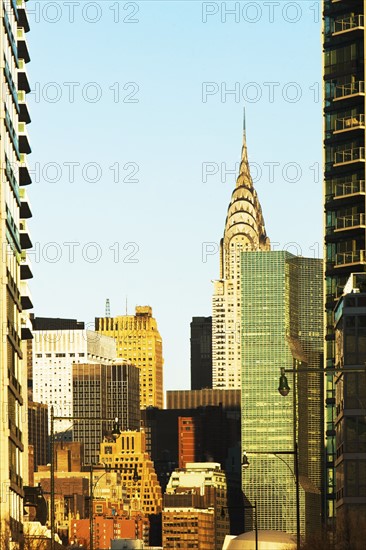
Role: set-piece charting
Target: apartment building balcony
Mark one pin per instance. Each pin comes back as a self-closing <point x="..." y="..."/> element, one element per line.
<point x="349" y="156"/>
<point x="22" y="45"/>
<point x="25" y="296"/>
<point x="349" y="90"/>
<point x="25" y="208"/>
<point x="24" y="146"/>
<point x="25" y="240"/>
<point x="25" y="266"/>
<point x="350" y="222"/>
<point x="26" y="327"/>
<point x="23" y="82"/>
<point x="347" y="189"/>
<point x="24" y="175"/>
<point x="23" y="107"/>
<point x="348" y="24"/>
<point x="22" y="15"/>
<point x="349" y="123"/>
<point x="356" y="257"/>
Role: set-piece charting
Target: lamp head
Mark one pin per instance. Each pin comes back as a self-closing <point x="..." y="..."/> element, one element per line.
<point x="283" y="387"/>
<point x="245" y="461"/>
<point x="116" y="431"/>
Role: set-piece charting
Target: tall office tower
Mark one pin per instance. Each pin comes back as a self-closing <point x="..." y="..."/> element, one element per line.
<point x="195" y="507"/>
<point x="244" y="231"/>
<point x="201" y="353"/>
<point x="15" y="268"/>
<point x="58" y="344"/>
<point x="282" y="326"/>
<point x="344" y="176"/>
<point x="104" y="391"/>
<point x="350" y="423"/>
<point x="38" y="433"/>
<point x="138" y="340"/>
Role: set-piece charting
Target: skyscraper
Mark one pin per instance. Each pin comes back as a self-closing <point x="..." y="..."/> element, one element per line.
<point x="344" y="175"/>
<point x="104" y="391"/>
<point x="15" y="268"/>
<point x="201" y="353"/>
<point x="244" y="231"/>
<point x="282" y="325"/>
<point x="138" y="340"/>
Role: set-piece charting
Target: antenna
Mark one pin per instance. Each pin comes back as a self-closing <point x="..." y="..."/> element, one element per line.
<point x="126" y="306"/>
<point x="244" y="124"/>
<point x="107" y="308"/>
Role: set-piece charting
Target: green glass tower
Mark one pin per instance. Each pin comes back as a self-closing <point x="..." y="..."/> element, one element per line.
<point x="282" y="326"/>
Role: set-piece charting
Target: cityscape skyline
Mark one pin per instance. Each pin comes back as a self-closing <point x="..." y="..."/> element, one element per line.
<point x="171" y="146"/>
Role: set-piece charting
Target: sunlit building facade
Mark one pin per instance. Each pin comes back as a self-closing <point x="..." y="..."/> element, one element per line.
<point x="138" y="340"/>
<point x="15" y="298"/>
<point x="282" y="326"/>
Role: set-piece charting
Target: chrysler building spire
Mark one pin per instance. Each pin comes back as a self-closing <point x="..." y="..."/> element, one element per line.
<point x="244" y="231"/>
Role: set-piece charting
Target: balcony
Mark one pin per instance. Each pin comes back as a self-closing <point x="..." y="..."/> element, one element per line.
<point x="23" y="107"/>
<point x="22" y="15"/>
<point x="352" y="221"/>
<point x="347" y="189"/>
<point x="25" y="267"/>
<point x="348" y="24"/>
<point x="349" y="90"/>
<point x="356" y="257"/>
<point x="22" y="46"/>
<point x="26" y="327"/>
<point x="24" y="146"/>
<point x="25" y="296"/>
<point x="25" y="209"/>
<point x="23" y="83"/>
<point x="349" y="156"/>
<point x="25" y="241"/>
<point x="349" y="123"/>
<point x="24" y="175"/>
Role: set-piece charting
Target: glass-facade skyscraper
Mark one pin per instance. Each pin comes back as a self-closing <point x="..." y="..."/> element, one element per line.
<point x="282" y="326"/>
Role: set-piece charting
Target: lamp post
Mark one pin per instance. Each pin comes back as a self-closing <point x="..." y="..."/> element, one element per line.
<point x="115" y="433"/>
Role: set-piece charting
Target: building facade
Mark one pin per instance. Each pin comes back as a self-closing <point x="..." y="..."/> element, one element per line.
<point x="38" y="433"/>
<point x="201" y="353"/>
<point x="244" y="231"/>
<point x="138" y="341"/>
<point x="195" y="507"/>
<point x="344" y="175"/>
<point x="104" y="391"/>
<point x="282" y="326"/>
<point x="350" y="406"/>
<point x="55" y="351"/>
<point x="15" y="298"/>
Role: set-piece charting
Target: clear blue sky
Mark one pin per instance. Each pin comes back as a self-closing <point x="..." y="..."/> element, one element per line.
<point x="132" y="96"/>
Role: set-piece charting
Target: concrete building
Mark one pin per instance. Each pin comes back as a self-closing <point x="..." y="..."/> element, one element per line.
<point x="244" y="231"/>
<point x="344" y="177"/>
<point x="15" y="298"/>
<point x="138" y="340"/>
<point x="282" y="326"/>
<point x="201" y="353"/>
<point x="59" y="344"/>
<point x="104" y="391"/>
<point x="195" y="505"/>
<point x="190" y="399"/>
<point x="350" y="406"/>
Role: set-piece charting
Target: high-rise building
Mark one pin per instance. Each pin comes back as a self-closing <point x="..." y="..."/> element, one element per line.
<point x="195" y="507"/>
<point x="104" y="391"/>
<point x="15" y="298"/>
<point x="350" y="421"/>
<point x="58" y="344"/>
<point x="282" y="326"/>
<point x="138" y="341"/>
<point x="38" y="433"/>
<point x="344" y="176"/>
<point x="201" y="353"/>
<point x="244" y="231"/>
